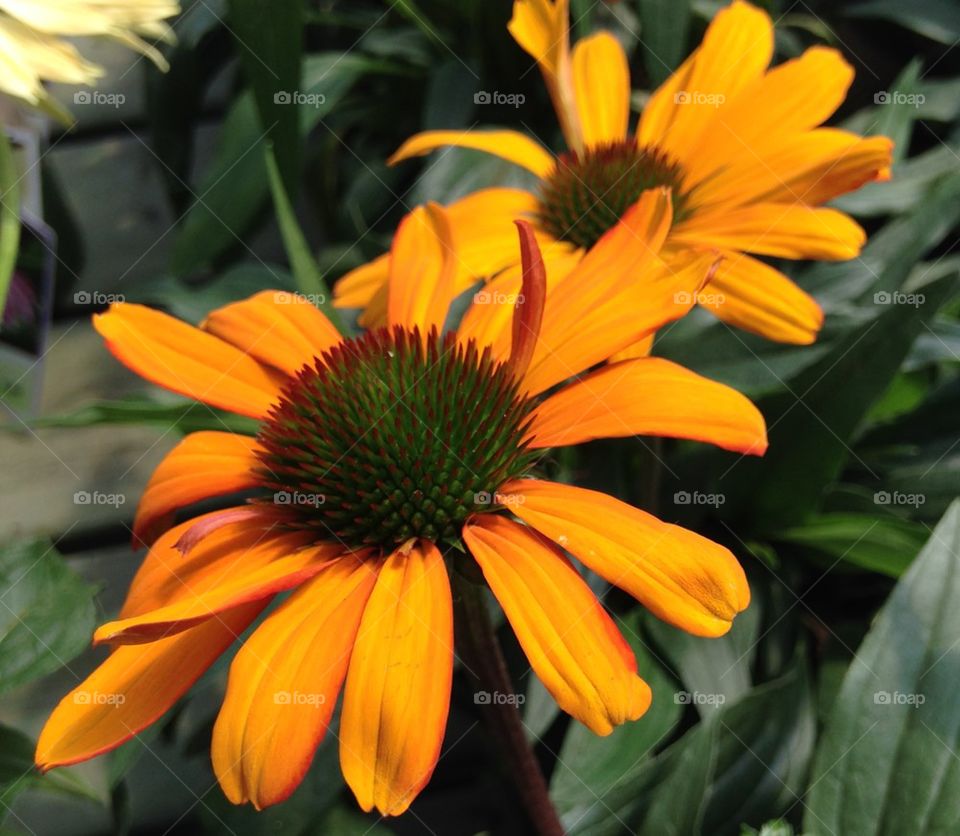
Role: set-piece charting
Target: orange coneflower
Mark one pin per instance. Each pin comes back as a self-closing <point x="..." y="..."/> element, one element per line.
<point x="739" y="144"/>
<point x="378" y="457"/>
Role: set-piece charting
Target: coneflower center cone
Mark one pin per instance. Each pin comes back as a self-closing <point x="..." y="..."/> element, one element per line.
<point x="586" y="194"/>
<point x="389" y="436"/>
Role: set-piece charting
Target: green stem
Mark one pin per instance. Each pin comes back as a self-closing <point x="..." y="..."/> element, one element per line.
<point x="482" y="657"/>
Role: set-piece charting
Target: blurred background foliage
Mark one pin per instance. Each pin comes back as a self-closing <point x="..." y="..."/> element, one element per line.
<point x="800" y="720"/>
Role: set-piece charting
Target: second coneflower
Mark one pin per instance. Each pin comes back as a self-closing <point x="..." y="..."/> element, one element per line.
<point x="739" y="144"/>
<point x="382" y="463"/>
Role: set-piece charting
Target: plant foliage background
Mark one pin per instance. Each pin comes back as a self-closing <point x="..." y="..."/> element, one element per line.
<point x="831" y="706"/>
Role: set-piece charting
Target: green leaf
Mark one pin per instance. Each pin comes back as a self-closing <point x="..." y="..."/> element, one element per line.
<point x="935" y="19"/>
<point x="589" y="767"/>
<point x="812" y="425"/>
<point x="186" y="416"/>
<point x="306" y="273"/>
<point x="46" y="613"/>
<point x="664" y="26"/>
<point x="714" y="672"/>
<point x="887" y="763"/>
<point x="235" y="188"/>
<point x="881" y="544"/>
<point x="269" y="40"/>
<point x="746" y="763"/>
<point x="9" y="215"/>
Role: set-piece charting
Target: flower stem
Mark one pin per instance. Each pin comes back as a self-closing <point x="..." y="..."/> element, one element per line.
<point x="482" y="657"/>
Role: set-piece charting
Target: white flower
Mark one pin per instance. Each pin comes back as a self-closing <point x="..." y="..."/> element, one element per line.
<point x="33" y="48"/>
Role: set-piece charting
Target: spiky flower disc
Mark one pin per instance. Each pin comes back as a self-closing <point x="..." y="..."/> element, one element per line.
<point x="388" y="437"/>
<point x="585" y="195"/>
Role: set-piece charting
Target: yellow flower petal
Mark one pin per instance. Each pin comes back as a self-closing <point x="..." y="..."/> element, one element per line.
<point x="397" y="695"/>
<point x="281" y="329"/>
<point x="571" y="643"/>
<point x="133" y="688"/>
<point x="511" y="146"/>
<point x="649" y="396"/>
<point x="601" y="80"/>
<point x="422" y="266"/>
<point x="284" y="684"/>
<point x="201" y="466"/>
<point x="679" y="576"/>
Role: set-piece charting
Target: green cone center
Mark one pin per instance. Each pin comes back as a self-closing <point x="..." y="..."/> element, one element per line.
<point x="585" y="195"/>
<point x="388" y="437"/>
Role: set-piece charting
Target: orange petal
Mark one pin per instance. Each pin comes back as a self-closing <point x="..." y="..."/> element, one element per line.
<point x="571" y="643"/>
<point x="258" y="573"/>
<point x="484" y="239"/>
<point x="282" y="329"/>
<point x="528" y="310"/>
<point x="167" y="577"/>
<point x="422" y="266"/>
<point x="649" y="396"/>
<point x="202" y="465"/>
<point x="541" y="28"/>
<point x="133" y="688"/>
<point x="511" y="146"/>
<point x="397" y="695"/>
<point x="752" y="295"/>
<point x="793" y="97"/>
<point x="736" y="50"/>
<point x="284" y="684"/>
<point x="356" y="288"/>
<point x="489" y="319"/>
<point x="186" y="360"/>
<point x="776" y="229"/>
<point x="601" y="80"/>
<point x="809" y="167"/>
<point x="679" y="576"/>
<point x="641" y="348"/>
